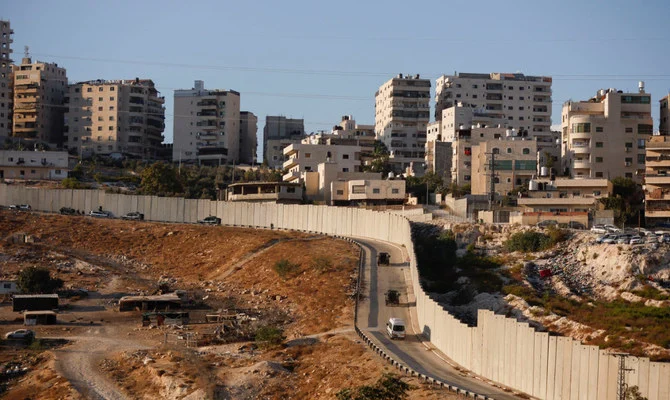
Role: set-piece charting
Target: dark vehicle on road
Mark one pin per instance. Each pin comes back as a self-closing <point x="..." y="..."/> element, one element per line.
<point x="392" y="297"/>
<point x="20" y="207"/>
<point x="134" y="216"/>
<point x="211" y="220"/>
<point x="67" y="211"/>
<point x="21" y="334"/>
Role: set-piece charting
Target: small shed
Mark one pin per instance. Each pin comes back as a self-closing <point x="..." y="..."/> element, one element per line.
<point x="39" y="318"/>
<point x="8" y="287"/>
<point x="164" y="302"/>
<point x="165" y="318"/>
<point x="34" y="302"/>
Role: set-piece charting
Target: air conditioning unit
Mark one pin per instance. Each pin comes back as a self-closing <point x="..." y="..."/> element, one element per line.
<point x="628" y="163"/>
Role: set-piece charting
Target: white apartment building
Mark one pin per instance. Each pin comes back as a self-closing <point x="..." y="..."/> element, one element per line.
<point x="206" y="125"/>
<point x="564" y="195"/>
<point x="38" y="165"/>
<point x="657" y="181"/>
<point x="515" y="164"/>
<point x="115" y="117"/>
<point x="302" y="157"/>
<point x="6" y="97"/>
<point x="278" y="133"/>
<point x="402" y="113"/>
<point x="605" y="136"/>
<point x="39" y="93"/>
<point x="248" y="139"/>
<point x="524" y="102"/>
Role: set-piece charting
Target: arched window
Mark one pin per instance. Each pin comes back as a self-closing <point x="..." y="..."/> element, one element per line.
<point x="526" y="151"/>
<point x="495" y="150"/>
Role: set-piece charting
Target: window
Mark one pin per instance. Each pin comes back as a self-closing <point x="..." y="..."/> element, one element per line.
<point x="635" y="99"/>
<point x="7" y="286"/>
<point x="340" y="192"/>
<point x="111" y="128"/>
<point x="629" y="145"/>
<point x="510" y="108"/>
<point x="345" y="169"/>
<point x="641" y="143"/>
<point x="99" y="108"/>
<point x="100" y="89"/>
<point x="629" y="175"/>
<point x="645" y="129"/>
<point x="100" y="99"/>
<point x="111" y="98"/>
<point x="308" y="155"/>
<point x="358" y="189"/>
<point x="395" y="191"/>
<point x="89" y="90"/>
<point x="526" y="151"/>
<point x="111" y="118"/>
<point x="599" y="128"/>
<point x="345" y="156"/>
<point x="599" y="174"/>
<point x="599" y="144"/>
<point x="596" y="192"/>
<point x="599" y="159"/>
<point x="576" y="193"/>
<point x="466" y="177"/>
<point x="111" y="108"/>
<point x="640" y="159"/>
<point x="509" y="150"/>
<point x="581" y="127"/>
<point x="32" y="171"/>
<point x="521" y="108"/>
<point x="100" y="128"/>
<point x="495" y="150"/>
<point x="474" y="96"/>
<point x="629" y="130"/>
<point x="510" y="118"/>
<point x="511" y="97"/>
<point x="375" y="191"/>
<point x="111" y="88"/>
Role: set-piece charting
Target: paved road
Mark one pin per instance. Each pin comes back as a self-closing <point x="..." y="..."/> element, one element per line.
<point x="414" y="351"/>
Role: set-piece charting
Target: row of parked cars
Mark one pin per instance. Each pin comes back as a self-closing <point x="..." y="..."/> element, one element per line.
<point x="634" y="237"/>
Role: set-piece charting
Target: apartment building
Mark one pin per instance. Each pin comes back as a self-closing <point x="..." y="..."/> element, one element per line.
<point x="402" y="113"/>
<point x="207" y="125"/>
<point x="523" y="101"/>
<point x="248" y="138"/>
<point x="36" y="165"/>
<point x="347" y="191"/>
<point x="347" y="132"/>
<point x="114" y="117"/>
<point x="564" y="194"/>
<point x="663" y="126"/>
<point x="302" y="157"/>
<point x="39" y="93"/>
<point x="6" y="80"/>
<point x="605" y="136"/>
<point x="278" y="133"/>
<point x="515" y="164"/>
<point x="657" y="181"/>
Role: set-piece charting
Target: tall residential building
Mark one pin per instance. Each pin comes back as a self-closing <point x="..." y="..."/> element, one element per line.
<point x="206" y="125"/>
<point x="278" y="133"/>
<point x="663" y="126"/>
<point x="523" y="101"/>
<point x="6" y="83"/>
<point x="515" y="164"/>
<point x="248" y="138"/>
<point x="605" y="136"/>
<point x="657" y="181"/>
<point x="402" y="113"/>
<point x="39" y="94"/>
<point x="120" y="116"/>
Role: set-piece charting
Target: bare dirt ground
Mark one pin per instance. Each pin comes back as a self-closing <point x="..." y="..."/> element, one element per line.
<point x="110" y="355"/>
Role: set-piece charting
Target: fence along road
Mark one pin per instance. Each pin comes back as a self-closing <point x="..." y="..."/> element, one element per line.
<point x="498" y="348"/>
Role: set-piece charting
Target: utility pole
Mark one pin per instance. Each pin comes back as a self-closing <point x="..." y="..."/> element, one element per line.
<point x="492" y="177"/>
<point x="621" y="377"/>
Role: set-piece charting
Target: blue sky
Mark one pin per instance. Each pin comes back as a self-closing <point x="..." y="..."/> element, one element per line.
<point x="321" y="60"/>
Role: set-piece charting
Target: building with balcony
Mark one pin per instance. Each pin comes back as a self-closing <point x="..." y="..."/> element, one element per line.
<point x="605" y="136"/>
<point x="301" y="157"/>
<point x="515" y="164"/>
<point x="248" y="138"/>
<point x="39" y="95"/>
<point x="349" y="191"/>
<point x="657" y="181"/>
<point x="35" y="165"/>
<point x="663" y="126"/>
<point x="278" y="133"/>
<point x="347" y="132"/>
<point x="265" y="192"/>
<point x="115" y="117"/>
<point x="564" y="195"/>
<point x="6" y="82"/>
<point x="207" y="125"/>
<point x="402" y="113"/>
<point x="522" y="101"/>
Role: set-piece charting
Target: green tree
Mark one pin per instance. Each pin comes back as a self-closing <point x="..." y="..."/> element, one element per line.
<point x="633" y="393"/>
<point x="160" y="178"/>
<point x="626" y="200"/>
<point x="388" y="387"/>
<point x="37" y="280"/>
<point x="380" y="159"/>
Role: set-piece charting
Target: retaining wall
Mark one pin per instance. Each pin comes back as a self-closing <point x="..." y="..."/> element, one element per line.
<point x="498" y="348"/>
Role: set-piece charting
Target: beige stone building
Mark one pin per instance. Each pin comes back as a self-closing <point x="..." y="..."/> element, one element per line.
<point x="402" y="113"/>
<point x="564" y="195"/>
<point x="347" y="132"/>
<point x="515" y="164"/>
<point x="367" y="190"/>
<point x="657" y="181"/>
<point x="39" y="94"/>
<point x="6" y="81"/>
<point x="265" y="192"/>
<point x="301" y="157"/>
<point x="278" y="133"/>
<point x="115" y="117"/>
<point x="664" y="120"/>
<point x="248" y="138"/>
<point x="523" y="101"/>
<point x="206" y="125"/>
<point x="605" y="136"/>
<point x="38" y="165"/>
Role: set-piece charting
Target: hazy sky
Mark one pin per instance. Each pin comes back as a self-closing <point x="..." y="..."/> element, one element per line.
<point x="320" y="60"/>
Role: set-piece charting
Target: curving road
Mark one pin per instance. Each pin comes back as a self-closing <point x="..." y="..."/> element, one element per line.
<point x="414" y="351"/>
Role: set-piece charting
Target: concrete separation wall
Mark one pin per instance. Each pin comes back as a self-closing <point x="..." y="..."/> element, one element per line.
<point x="498" y="348"/>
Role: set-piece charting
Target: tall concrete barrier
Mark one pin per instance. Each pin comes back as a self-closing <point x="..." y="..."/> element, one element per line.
<point x="498" y="348"/>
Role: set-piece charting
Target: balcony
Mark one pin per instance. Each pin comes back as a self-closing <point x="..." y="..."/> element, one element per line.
<point x="581" y="149"/>
<point x="290" y="163"/>
<point x="291" y="176"/>
<point x="657" y="179"/>
<point x="657" y="214"/>
<point x="207" y="113"/>
<point x="580" y="135"/>
<point x="581" y="164"/>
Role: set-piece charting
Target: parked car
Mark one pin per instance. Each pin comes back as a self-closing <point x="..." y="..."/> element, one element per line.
<point x="652" y="238"/>
<point x="601" y="239"/>
<point x="612" y="228"/>
<point x="100" y="214"/>
<point x="598" y="229"/>
<point x="20" y="207"/>
<point x="67" y="211"/>
<point x="211" y="220"/>
<point x="576" y="225"/>
<point x="623" y="239"/>
<point x="136" y="216"/>
<point x="611" y="239"/>
<point x="637" y="240"/>
<point x="547" y="223"/>
<point x="24" y="334"/>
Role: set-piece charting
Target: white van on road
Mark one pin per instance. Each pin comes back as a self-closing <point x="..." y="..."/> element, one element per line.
<point x="395" y="328"/>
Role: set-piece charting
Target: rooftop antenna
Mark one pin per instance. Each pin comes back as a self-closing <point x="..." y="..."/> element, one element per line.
<point x="26" y="51"/>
